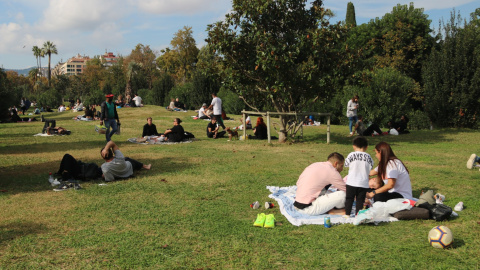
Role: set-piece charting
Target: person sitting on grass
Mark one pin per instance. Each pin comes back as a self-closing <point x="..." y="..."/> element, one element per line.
<point x="149" y="129"/>
<point x="260" y="130"/>
<point x="212" y="129"/>
<point x="318" y="177"/>
<point x="364" y="131"/>
<point x="394" y="174"/>
<point x="175" y="134"/>
<point x="201" y="112"/>
<point x="116" y="165"/>
<point x="36" y="110"/>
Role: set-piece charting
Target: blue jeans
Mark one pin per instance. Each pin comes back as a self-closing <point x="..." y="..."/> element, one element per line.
<point x="353" y="120"/>
<point x="110" y="123"/>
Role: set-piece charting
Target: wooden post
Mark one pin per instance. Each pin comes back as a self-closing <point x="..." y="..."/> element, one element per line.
<point x="244" y="126"/>
<point x="268" y="127"/>
<point x="328" y="129"/>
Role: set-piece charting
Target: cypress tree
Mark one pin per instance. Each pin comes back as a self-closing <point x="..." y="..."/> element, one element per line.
<point x="350" y="18"/>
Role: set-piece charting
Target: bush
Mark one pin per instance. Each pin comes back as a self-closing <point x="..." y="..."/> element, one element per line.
<point x="383" y="95"/>
<point x="147" y="97"/>
<point x="231" y="103"/>
<point x="95" y="96"/>
<point x="182" y="92"/>
<point x="49" y="97"/>
<point x="160" y="91"/>
<point x="418" y="120"/>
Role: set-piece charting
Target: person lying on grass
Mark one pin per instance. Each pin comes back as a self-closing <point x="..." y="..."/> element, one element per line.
<point x="319" y="177"/>
<point x="116" y="165"/>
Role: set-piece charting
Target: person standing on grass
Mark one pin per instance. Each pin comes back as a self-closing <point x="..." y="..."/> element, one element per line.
<point x="352" y="108"/>
<point x="319" y="177"/>
<point x="217" y="109"/>
<point x="394" y="174"/>
<point x="360" y="164"/>
<point x="117" y="165"/>
<point x="109" y="116"/>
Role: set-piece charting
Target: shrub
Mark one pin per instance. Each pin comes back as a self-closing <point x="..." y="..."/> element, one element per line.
<point x="182" y="92"/>
<point x="231" y="103"/>
<point x="160" y="91"/>
<point x="418" y="120"/>
<point x="49" y="97"/>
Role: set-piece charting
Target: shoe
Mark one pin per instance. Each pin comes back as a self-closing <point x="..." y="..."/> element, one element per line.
<point x="255" y="205"/>
<point x="56" y="182"/>
<point x="63" y="186"/>
<point x="260" y="220"/>
<point x="269" y="205"/>
<point x="269" y="221"/>
<point x="439" y="198"/>
<point x="470" y="161"/>
<point x="77" y="186"/>
<point x="458" y="207"/>
<point x="351" y="133"/>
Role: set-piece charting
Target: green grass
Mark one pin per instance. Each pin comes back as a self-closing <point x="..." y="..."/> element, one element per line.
<point x="199" y="217"/>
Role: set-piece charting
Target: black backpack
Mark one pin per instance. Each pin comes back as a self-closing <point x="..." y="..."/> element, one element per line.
<point x="189" y="135"/>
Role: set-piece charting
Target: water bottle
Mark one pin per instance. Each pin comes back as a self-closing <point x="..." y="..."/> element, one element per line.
<point x="50" y="179"/>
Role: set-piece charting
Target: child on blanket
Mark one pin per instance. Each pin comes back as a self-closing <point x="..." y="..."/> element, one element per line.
<point x="360" y="164"/>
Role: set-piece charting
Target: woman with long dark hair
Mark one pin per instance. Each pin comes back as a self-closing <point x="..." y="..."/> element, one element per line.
<point x="260" y="130"/>
<point x="352" y="108"/>
<point x="394" y="174"/>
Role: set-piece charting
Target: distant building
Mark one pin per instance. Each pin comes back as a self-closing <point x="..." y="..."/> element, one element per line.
<point x="108" y="59"/>
<point x="74" y="66"/>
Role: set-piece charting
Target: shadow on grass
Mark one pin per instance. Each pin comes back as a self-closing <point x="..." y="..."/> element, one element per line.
<point x="34" y="177"/>
<point x="52" y="144"/>
<point x="421" y="136"/>
<point x="14" y="230"/>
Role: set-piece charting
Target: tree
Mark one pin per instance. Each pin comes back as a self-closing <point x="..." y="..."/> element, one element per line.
<point x="144" y="68"/>
<point x="48" y="49"/>
<point x="452" y="74"/>
<point x="184" y="45"/>
<point x="350" y="19"/>
<point x="38" y="53"/>
<point x="280" y="52"/>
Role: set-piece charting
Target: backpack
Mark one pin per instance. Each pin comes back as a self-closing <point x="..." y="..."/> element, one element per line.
<point x="88" y="171"/>
<point x="189" y="135"/>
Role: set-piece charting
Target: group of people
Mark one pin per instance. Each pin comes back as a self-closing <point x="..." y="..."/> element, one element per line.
<point x="392" y="180"/>
<point x="176" y="105"/>
<point x="357" y="126"/>
<point x="174" y="134"/>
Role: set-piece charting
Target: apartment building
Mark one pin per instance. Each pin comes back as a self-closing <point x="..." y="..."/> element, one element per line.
<point x="76" y="65"/>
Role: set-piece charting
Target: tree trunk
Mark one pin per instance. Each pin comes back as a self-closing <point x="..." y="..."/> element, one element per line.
<point x="49" y="73"/>
<point x="128" y="89"/>
<point x="282" y="133"/>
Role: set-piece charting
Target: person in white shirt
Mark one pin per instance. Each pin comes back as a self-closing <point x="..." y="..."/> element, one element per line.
<point x="394" y="174"/>
<point x="138" y="101"/>
<point x="217" y="109"/>
<point x="360" y="164"/>
<point x="201" y="112"/>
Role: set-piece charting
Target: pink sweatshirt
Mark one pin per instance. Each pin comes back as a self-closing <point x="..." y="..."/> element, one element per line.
<point x="314" y="178"/>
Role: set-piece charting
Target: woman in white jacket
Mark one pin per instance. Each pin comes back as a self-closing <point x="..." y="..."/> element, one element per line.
<point x="352" y="108"/>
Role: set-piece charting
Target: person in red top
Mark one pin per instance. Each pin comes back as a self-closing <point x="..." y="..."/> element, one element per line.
<point x="319" y="177"/>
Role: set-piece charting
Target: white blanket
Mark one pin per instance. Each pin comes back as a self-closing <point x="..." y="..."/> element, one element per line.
<point x="285" y="197"/>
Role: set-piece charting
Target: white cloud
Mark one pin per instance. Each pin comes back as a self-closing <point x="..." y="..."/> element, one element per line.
<point x="183" y="7"/>
<point x="81" y="14"/>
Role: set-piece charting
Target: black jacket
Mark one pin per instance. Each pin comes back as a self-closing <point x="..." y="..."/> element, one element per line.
<point x="104" y="110"/>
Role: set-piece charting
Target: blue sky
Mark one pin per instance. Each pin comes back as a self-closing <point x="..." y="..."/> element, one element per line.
<point x="91" y="27"/>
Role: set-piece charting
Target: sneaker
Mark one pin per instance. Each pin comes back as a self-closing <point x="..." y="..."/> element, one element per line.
<point x="269" y="205"/>
<point x="56" y="182"/>
<point x="260" y="220"/>
<point x="77" y="186"/>
<point x="439" y="198"/>
<point x="470" y="161"/>
<point x="458" y="207"/>
<point x="269" y="221"/>
<point x="63" y="186"/>
<point x="255" y="205"/>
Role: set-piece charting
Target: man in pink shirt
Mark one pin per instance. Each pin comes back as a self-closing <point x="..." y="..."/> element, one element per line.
<point x="314" y="179"/>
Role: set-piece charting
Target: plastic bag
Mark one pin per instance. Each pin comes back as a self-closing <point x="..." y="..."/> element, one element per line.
<point x="381" y="210"/>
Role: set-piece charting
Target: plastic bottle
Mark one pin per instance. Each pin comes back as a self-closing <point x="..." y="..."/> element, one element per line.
<point x="50" y="179"/>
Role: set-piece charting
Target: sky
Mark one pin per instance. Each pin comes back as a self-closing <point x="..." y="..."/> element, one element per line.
<point x="93" y="27"/>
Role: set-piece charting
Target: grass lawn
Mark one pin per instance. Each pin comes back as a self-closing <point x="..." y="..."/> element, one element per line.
<point x="199" y="216"/>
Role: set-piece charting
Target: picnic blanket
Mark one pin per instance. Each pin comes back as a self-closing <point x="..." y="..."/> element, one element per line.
<point x="46" y="135"/>
<point x="285" y="197"/>
<point x="151" y="140"/>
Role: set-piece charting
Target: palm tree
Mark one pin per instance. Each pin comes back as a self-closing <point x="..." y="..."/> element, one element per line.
<point x="49" y="48"/>
<point x="38" y="53"/>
